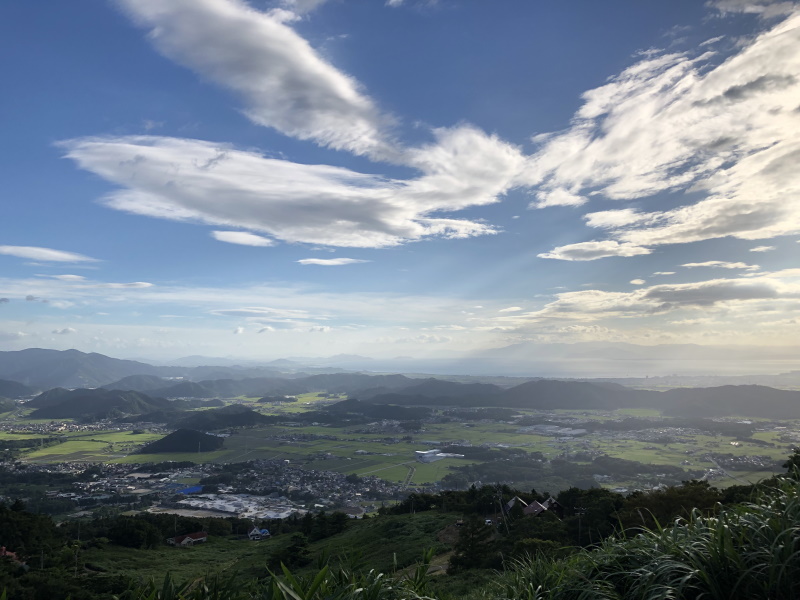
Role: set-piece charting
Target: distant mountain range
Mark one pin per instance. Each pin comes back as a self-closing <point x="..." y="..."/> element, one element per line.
<point x="547" y="394"/>
<point x="46" y="369"/>
<point x="135" y="388"/>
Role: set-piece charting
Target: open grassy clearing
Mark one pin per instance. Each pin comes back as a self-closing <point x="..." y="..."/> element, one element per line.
<point x="8" y="435"/>
<point x="219" y="554"/>
<point x="236" y="555"/>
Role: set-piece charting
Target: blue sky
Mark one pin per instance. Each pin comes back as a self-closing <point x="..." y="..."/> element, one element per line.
<point x="416" y="178"/>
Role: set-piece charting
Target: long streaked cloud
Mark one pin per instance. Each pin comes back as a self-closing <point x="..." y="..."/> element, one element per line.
<point x="282" y="81"/>
<point x="242" y="238"/>
<point x="331" y="262"/>
<point x="763" y="8"/>
<point x="722" y="264"/>
<point x="673" y="124"/>
<point x="182" y="179"/>
<point x="642" y="303"/>
<point x="45" y="254"/>
<point x="594" y="250"/>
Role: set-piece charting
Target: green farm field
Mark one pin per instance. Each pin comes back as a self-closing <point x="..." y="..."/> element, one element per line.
<point x="390" y="457"/>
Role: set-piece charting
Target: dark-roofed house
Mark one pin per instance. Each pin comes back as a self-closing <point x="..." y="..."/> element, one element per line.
<point x="533" y="509"/>
<point x="190" y="539"/>
<point x="256" y="534"/>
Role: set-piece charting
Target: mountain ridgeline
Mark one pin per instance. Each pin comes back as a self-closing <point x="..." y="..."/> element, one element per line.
<point x="152" y="391"/>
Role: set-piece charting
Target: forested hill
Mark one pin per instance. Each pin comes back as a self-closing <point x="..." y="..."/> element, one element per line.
<point x="14" y="389"/>
<point x="92" y="404"/>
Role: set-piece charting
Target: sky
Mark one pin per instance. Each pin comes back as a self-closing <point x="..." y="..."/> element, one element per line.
<point x="272" y="178"/>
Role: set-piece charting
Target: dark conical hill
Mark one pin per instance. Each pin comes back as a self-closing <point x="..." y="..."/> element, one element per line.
<point x="184" y="440"/>
<point x="234" y="415"/>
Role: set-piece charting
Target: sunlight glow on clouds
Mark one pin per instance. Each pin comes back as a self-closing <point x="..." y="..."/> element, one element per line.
<point x="182" y="180"/>
<point x="281" y="79"/>
<point x="594" y="250"/>
<point x="671" y="124"/>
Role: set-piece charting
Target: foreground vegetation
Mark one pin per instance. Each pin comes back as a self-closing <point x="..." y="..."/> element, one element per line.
<point x="748" y="551"/>
<point x="742" y="549"/>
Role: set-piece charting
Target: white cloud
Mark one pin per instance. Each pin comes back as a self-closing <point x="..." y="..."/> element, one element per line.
<point x="183" y="180"/>
<point x="638" y="281"/>
<point x="238" y="331"/>
<point x="69" y="277"/>
<point x="510" y="309"/>
<point x="281" y="79"/>
<point x="742" y="294"/>
<point x="763" y="8"/>
<point x="557" y="197"/>
<point x="330" y="262"/>
<point x="594" y="250"/>
<point x="12" y="336"/>
<point x="64" y="331"/>
<point x="613" y="219"/>
<point x="721" y="264"/>
<point x="302" y="7"/>
<point x="675" y="124"/>
<point x="62" y="304"/>
<point x="664" y="273"/>
<point x="45" y="254"/>
<point x="241" y="237"/>
<point x="762" y="249"/>
<point x="424" y="339"/>
<point x="262" y="312"/>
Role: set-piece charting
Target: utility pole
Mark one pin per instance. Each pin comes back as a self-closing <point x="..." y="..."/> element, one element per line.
<point x="580" y="511"/>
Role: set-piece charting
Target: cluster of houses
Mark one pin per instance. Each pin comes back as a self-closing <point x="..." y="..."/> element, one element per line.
<point x="200" y="537"/>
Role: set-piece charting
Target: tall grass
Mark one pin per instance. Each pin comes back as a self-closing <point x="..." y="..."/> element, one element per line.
<point x="745" y="552"/>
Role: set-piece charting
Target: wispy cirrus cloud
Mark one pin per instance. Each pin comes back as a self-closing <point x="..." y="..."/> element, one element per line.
<point x="675" y="123"/>
<point x="331" y="262"/>
<point x="45" y="254"/>
<point x="281" y="79"/>
<point x="594" y="250"/>
<point x="721" y="264"/>
<point x="765" y="9"/>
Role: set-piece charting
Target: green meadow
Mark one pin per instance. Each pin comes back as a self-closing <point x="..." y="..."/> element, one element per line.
<point x="390" y="455"/>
